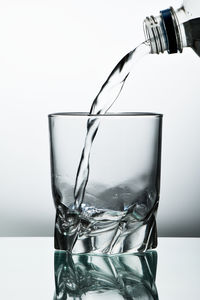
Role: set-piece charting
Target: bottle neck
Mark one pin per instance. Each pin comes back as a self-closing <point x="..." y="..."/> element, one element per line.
<point x="164" y="33"/>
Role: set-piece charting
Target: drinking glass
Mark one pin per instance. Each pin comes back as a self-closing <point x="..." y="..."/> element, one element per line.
<point x="120" y="196"/>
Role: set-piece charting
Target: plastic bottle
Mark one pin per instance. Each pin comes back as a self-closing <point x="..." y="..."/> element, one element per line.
<point x="173" y="29"/>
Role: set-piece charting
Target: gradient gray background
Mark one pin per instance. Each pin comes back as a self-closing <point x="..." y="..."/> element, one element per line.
<point x="54" y="56"/>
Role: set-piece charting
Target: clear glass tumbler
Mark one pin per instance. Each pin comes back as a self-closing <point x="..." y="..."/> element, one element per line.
<point x="117" y="213"/>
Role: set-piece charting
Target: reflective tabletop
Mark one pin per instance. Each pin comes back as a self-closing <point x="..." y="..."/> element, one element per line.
<point x="31" y="269"/>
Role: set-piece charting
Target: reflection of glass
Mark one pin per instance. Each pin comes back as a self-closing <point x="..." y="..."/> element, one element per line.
<point x="118" y="211"/>
<point x="130" y="276"/>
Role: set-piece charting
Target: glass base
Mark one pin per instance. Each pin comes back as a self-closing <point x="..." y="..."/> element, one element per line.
<point x="103" y="235"/>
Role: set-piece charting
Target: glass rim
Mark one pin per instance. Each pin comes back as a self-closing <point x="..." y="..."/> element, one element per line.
<point x="111" y="114"/>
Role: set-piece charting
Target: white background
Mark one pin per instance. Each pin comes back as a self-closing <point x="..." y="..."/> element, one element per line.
<point x="54" y="56"/>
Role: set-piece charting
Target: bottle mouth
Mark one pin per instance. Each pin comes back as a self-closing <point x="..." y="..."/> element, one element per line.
<point x="163" y="32"/>
<point x="154" y="34"/>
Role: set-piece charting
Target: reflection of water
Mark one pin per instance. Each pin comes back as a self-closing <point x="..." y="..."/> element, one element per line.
<point x="83" y="277"/>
